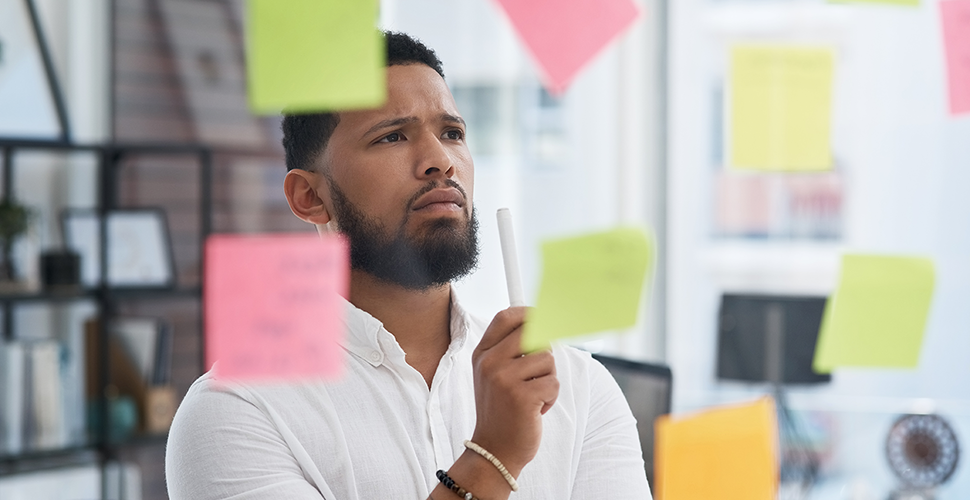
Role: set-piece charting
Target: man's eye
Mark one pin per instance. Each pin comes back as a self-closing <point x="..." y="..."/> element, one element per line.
<point x="390" y="137"/>
<point x="455" y="135"/>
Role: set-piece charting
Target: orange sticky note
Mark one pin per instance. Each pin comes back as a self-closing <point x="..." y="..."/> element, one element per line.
<point x="273" y="310"/>
<point x="564" y="35"/>
<point x="727" y="453"/>
<point x="955" y="15"/>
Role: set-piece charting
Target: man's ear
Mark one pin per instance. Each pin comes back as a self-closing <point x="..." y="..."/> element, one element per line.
<point x="301" y="189"/>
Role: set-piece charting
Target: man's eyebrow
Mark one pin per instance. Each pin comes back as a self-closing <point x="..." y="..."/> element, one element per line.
<point x="452" y="118"/>
<point x="404" y="120"/>
<point x="393" y="122"/>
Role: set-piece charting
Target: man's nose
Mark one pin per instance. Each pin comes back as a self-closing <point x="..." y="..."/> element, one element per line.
<point x="433" y="158"/>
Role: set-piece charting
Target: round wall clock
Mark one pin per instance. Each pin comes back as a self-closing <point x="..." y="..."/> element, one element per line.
<point x="922" y="450"/>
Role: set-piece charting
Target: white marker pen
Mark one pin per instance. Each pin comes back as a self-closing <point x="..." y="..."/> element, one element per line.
<point x="512" y="277"/>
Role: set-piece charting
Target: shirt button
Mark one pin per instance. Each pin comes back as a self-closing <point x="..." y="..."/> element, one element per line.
<point x="375" y="356"/>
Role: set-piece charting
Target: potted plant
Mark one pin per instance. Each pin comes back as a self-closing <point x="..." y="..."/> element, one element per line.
<point x="14" y="219"/>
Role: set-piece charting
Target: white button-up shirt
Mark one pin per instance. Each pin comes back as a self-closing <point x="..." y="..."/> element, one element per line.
<point x="379" y="432"/>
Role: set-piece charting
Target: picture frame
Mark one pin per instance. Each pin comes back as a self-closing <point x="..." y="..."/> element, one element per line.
<point x="139" y="250"/>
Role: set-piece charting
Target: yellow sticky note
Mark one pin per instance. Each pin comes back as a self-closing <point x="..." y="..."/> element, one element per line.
<point x="877" y="316"/>
<point x="314" y="55"/>
<point x="727" y="453"/>
<point x="780" y="108"/>
<point x="589" y="284"/>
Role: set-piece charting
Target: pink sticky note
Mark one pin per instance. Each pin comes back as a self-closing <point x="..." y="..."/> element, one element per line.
<point x="956" y="40"/>
<point x="272" y="306"/>
<point x="564" y="35"/>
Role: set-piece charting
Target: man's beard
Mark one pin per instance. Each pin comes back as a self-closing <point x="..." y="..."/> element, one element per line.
<point x="445" y="252"/>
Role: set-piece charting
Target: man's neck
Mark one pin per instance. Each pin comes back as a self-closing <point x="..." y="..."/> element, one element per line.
<point x="419" y="319"/>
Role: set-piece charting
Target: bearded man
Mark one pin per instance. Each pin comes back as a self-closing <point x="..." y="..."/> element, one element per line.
<point x="433" y="403"/>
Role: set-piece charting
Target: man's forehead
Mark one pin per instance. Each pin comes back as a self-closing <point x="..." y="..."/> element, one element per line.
<point x="414" y="91"/>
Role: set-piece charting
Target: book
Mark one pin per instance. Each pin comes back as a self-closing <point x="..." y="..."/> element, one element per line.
<point x="11" y="397"/>
<point x="163" y="355"/>
<point x="45" y="399"/>
<point x="139" y="337"/>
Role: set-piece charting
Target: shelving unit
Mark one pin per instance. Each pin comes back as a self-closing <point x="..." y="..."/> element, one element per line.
<point x="97" y="448"/>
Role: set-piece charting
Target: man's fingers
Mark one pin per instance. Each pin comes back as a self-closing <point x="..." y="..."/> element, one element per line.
<point x="505" y="323"/>
<point x="535" y="365"/>
<point x="547" y="390"/>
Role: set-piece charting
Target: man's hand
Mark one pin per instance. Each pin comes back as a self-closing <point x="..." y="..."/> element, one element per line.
<point x="512" y="391"/>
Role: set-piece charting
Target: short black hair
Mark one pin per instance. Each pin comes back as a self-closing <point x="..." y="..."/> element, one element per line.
<point x="306" y="135"/>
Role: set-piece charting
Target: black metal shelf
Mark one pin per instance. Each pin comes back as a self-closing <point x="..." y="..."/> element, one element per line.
<point x="109" y="299"/>
<point x="141" y="439"/>
<point x="78" y="454"/>
<point x="38" y="460"/>
<point x="96" y="293"/>
<point x="153" y="293"/>
<point x="109" y="158"/>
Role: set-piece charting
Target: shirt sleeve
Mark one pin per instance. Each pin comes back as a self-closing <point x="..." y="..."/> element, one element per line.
<point x="221" y="446"/>
<point x="611" y="462"/>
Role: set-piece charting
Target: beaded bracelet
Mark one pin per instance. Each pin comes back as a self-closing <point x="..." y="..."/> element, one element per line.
<point x="451" y="485"/>
<point x="498" y="465"/>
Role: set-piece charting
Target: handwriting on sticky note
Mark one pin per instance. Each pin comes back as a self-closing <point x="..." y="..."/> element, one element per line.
<point x="878" y="313"/>
<point x="313" y="55"/>
<point x="564" y="35"/>
<point x="273" y="306"/>
<point x="728" y="453"/>
<point x="780" y="107"/>
<point x="589" y="284"/>
<point x="955" y="15"/>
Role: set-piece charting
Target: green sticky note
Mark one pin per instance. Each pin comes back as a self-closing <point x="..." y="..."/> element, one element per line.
<point x="877" y="316"/>
<point x="822" y="363"/>
<point x="780" y="101"/>
<point x="314" y="55"/>
<point x="589" y="284"/>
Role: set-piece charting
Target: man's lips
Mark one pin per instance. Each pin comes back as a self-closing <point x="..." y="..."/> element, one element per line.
<point x="446" y="198"/>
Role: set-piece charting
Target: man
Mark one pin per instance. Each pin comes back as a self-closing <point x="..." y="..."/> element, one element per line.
<point x="422" y="376"/>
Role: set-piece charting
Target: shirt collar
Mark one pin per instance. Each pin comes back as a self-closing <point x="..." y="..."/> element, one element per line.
<point x="367" y="338"/>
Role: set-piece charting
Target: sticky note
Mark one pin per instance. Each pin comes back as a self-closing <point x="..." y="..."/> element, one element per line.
<point x="727" y="453"/>
<point x="878" y="313"/>
<point x="314" y="55"/>
<point x="780" y="107"/>
<point x="565" y="35"/>
<point x="272" y="306"/>
<point x="589" y="283"/>
<point x="955" y="15"/>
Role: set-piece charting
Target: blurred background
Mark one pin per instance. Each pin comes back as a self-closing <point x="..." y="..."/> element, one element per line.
<point x="154" y="100"/>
